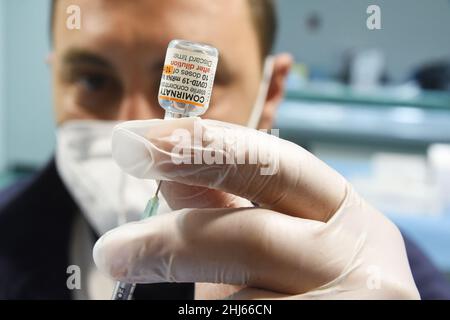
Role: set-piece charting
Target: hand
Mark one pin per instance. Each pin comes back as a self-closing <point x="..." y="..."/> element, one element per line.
<point x="312" y="236"/>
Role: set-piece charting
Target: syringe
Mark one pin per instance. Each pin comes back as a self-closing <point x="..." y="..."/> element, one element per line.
<point x="185" y="91"/>
<point x="124" y="290"/>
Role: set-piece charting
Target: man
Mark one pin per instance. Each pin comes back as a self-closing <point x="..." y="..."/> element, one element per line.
<point x="315" y="238"/>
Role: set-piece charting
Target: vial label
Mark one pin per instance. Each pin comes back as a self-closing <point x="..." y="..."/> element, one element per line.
<point x="188" y="77"/>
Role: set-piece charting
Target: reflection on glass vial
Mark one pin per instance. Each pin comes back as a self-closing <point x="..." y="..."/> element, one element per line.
<point x="187" y="78"/>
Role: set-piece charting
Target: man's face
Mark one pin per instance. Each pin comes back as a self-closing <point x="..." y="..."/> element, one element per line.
<point x="111" y="68"/>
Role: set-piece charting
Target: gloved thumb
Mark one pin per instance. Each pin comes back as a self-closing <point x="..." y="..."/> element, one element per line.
<point x="265" y="169"/>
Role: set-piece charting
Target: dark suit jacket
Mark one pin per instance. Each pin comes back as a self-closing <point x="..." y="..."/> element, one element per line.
<point x="36" y="219"/>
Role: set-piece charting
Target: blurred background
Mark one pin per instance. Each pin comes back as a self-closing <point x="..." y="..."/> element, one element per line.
<point x="374" y="104"/>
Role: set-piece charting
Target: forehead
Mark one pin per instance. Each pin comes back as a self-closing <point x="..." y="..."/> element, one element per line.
<point x="225" y="24"/>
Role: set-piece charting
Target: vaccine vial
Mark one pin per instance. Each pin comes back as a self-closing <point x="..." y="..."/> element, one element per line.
<point x="187" y="78"/>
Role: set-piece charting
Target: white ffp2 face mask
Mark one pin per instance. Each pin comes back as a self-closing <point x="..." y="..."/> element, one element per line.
<point x="105" y="194"/>
<point x="263" y="90"/>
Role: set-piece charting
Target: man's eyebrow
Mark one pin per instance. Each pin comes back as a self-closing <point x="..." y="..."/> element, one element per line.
<point x="77" y="56"/>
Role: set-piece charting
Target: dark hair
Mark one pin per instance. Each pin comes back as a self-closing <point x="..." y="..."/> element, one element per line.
<point x="264" y="18"/>
<point x="265" y="21"/>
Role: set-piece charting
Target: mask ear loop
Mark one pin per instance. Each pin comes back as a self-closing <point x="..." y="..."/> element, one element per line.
<point x="258" y="107"/>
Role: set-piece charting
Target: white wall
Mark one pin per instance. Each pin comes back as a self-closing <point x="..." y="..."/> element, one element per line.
<point x="413" y="31"/>
<point x="2" y="89"/>
<point x="29" y="127"/>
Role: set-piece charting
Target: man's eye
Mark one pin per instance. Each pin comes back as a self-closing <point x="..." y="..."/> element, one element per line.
<point x="94" y="91"/>
<point x="93" y="82"/>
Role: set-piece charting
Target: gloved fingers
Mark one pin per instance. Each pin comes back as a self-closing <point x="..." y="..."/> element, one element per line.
<point x="272" y="172"/>
<point x="253" y="247"/>
<point x="180" y="196"/>
<point x="365" y="293"/>
<point x="249" y="293"/>
<point x="215" y="291"/>
<point x="358" y="253"/>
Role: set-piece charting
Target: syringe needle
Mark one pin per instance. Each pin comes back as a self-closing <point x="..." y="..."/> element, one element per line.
<point x="158" y="188"/>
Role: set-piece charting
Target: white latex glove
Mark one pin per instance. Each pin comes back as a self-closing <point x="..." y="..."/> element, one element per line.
<point x="312" y="237"/>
